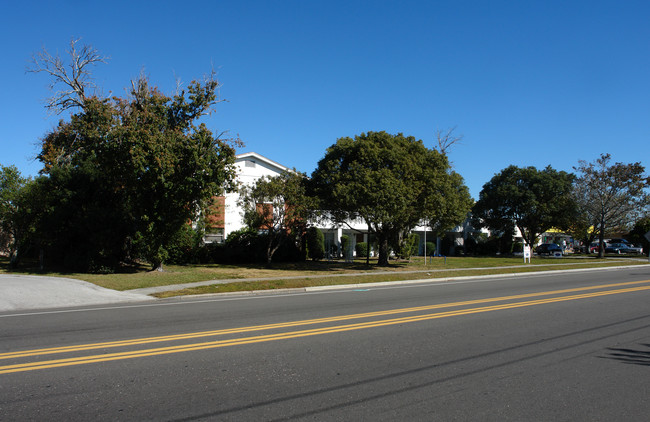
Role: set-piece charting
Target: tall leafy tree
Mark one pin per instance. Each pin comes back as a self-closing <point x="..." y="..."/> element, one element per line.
<point x="532" y="200"/>
<point x="12" y="229"/>
<point x="148" y="151"/>
<point x="585" y="221"/>
<point x="637" y="234"/>
<point x="77" y="219"/>
<point x="279" y="206"/>
<point x="612" y="196"/>
<point x="392" y="182"/>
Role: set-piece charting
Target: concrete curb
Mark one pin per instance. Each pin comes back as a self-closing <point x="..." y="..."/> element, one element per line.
<point x="469" y="277"/>
<point x="392" y="283"/>
<point x="173" y="287"/>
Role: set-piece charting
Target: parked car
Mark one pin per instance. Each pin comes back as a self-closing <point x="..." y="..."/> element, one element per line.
<point x="548" y="249"/>
<point x="636" y="249"/>
<point x="593" y="247"/>
<point x="619" y="240"/>
<point x="621" y="248"/>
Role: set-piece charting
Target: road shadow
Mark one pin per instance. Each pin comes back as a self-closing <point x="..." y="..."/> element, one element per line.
<point x="630" y="356"/>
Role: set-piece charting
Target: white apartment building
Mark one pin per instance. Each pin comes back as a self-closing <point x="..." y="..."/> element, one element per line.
<point x="251" y="166"/>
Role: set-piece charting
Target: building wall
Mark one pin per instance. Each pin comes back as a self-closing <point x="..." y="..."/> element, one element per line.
<point x="250" y="167"/>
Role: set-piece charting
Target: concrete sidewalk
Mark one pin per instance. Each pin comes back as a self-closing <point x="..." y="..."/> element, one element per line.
<point x="22" y="292"/>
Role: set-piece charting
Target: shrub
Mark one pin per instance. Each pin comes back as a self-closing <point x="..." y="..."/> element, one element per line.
<point x="471" y="246"/>
<point x="244" y="246"/>
<point x="445" y="246"/>
<point x="315" y="244"/>
<point x="361" y="249"/>
<point x="289" y="250"/>
<point x="345" y="245"/>
<point x="488" y="247"/>
<point x="431" y="248"/>
<point x="408" y="246"/>
<point x="209" y="253"/>
<point x="184" y="246"/>
<point x="249" y="246"/>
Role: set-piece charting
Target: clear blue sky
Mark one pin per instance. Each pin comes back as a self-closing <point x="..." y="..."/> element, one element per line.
<point x="527" y="83"/>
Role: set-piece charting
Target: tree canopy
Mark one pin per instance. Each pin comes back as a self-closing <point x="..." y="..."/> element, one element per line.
<point x="11" y="222"/>
<point x="610" y="196"/>
<point x="532" y="200"/>
<point x="144" y="160"/>
<point x="392" y="182"/>
<point x="637" y="234"/>
<point x="279" y="206"/>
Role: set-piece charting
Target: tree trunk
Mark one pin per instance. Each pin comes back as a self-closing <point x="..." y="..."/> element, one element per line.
<point x="531" y="240"/>
<point x="383" y="250"/>
<point x="269" y="255"/>
<point x="13" y="258"/>
<point x="270" y="249"/>
<point x="601" y="239"/>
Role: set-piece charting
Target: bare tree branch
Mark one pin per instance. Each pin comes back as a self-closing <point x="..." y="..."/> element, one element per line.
<point x="179" y="84"/>
<point x="446" y="139"/>
<point x="75" y="79"/>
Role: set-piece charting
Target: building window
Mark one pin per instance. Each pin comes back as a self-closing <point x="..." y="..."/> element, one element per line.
<point x="249" y="163"/>
<point x="216" y="236"/>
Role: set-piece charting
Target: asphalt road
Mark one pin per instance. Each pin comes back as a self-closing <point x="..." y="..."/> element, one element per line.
<point x="561" y="347"/>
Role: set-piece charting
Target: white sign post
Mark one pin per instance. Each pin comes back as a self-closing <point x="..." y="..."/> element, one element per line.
<point x="526" y="253"/>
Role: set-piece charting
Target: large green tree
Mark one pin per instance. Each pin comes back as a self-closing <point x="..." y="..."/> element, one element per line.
<point x="532" y="200"/>
<point x="611" y="196"/>
<point x="392" y="182"/>
<point x="148" y="151"/>
<point x="79" y="220"/>
<point x="637" y="234"/>
<point x="278" y="206"/>
<point x="12" y="229"/>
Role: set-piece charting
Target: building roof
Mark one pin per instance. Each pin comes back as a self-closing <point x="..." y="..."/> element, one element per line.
<point x="255" y="157"/>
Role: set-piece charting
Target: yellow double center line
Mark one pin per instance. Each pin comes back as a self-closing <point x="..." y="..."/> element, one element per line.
<point x="301" y="333"/>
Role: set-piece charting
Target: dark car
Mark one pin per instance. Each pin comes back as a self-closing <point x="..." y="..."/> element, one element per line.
<point x="637" y="249"/>
<point x="620" y="248"/>
<point x="619" y="240"/>
<point x="548" y="249"/>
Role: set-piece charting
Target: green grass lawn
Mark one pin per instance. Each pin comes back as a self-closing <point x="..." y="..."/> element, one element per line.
<point x="290" y="275"/>
<point x="462" y="267"/>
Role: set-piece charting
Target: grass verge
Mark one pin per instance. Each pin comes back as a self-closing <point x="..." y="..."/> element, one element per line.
<point x="305" y="274"/>
<point x="457" y="271"/>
